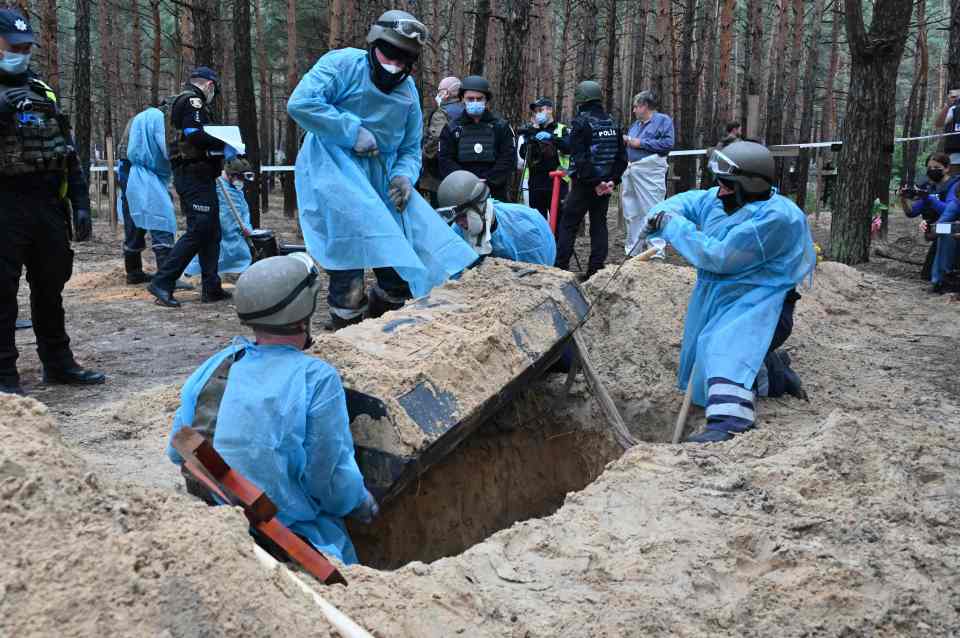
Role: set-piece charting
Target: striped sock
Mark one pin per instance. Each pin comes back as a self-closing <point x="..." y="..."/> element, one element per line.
<point x="729" y="406"/>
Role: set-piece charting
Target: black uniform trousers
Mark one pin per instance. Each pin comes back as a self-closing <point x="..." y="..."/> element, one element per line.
<point x="34" y="233"/>
<point x="582" y="200"/>
<point x="197" y="187"/>
<point x="540" y="198"/>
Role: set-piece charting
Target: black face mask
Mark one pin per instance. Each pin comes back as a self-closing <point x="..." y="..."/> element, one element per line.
<point x="935" y="174"/>
<point x="383" y="80"/>
<point x="730" y="203"/>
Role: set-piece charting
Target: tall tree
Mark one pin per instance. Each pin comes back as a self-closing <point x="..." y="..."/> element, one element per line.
<point x="953" y="57"/>
<point x="290" y="138"/>
<point x="567" y="16"/>
<point x="81" y="82"/>
<point x="136" y="45"/>
<point x="724" y="79"/>
<point x="266" y="107"/>
<point x="661" y="81"/>
<point x="917" y="103"/>
<point x="874" y="58"/>
<point x="810" y="74"/>
<point x="481" y="22"/>
<point x="107" y="78"/>
<point x="687" y="122"/>
<point x="155" y="56"/>
<point x="246" y="100"/>
<point x="752" y="67"/>
<point x="204" y="16"/>
<point x="777" y="78"/>
<point x="611" y="54"/>
<point x="50" y="51"/>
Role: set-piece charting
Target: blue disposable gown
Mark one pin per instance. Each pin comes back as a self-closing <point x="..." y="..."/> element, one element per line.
<point x="347" y="219"/>
<point x="234" y="252"/>
<point x="746" y="263"/>
<point x="522" y="234"/>
<point x="283" y="425"/>
<point x="150" y="205"/>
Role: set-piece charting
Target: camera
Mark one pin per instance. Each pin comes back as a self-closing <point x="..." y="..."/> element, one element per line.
<point x="912" y="191"/>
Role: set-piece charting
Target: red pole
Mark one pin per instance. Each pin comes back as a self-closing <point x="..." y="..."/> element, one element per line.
<point x="555" y="199"/>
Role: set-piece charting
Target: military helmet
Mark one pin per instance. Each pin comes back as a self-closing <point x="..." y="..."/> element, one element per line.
<point x="276" y="292"/>
<point x="238" y="165"/>
<point x="587" y="91"/>
<point x="460" y="188"/>
<point x="748" y="164"/>
<point x="401" y="29"/>
<point x="475" y="83"/>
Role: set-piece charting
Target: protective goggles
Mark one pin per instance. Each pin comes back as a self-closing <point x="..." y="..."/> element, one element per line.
<point x="451" y="214"/>
<point x="722" y="166"/>
<point x="411" y="29"/>
<point x="246" y="176"/>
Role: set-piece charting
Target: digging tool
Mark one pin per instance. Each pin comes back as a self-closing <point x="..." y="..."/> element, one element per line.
<point x="262" y="242"/>
<point x="684" y="408"/>
<point x="208" y="468"/>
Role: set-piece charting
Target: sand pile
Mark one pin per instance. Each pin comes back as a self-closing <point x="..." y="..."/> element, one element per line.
<point x="82" y="556"/>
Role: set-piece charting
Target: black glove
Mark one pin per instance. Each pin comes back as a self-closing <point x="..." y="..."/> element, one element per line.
<point x="82" y="224"/>
<point x="657" y="222"/>
<point x="12" y="100"/>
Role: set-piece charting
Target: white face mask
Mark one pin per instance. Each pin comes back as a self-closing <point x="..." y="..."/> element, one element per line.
<point x="393" y="69"/>
<point x="238" y="184"/>
<point x="210" y="91"/>
<point x="14" y="63"/>
<point x="478" y="228"/>
<point x="439" y="99"/>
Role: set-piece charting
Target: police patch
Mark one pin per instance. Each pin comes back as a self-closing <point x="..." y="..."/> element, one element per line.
<point x="478" y="148"/>
<point x="20" y="25"/>
<point x="196" y="102"/>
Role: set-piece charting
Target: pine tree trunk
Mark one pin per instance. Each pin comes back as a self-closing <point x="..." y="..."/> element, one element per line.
<point x="291" y="141"/>
<point x="775" y="82"/>
<point x="874" y="58"/>
<point x="107" y="78"/>
<point x="204" y="14"/>
<point x="266" y="117"/>
<point x="516" y="27"/>
<point x="246" y="101"/>
<point x="917" y="104"/>
<point x="136" y="46"/>
<point x="81" y="83"/>
<point x="155" y="57"/>
<point x="50" y="50"/>
<point x="480" y="25"/>
<point x="661" y="81"/>
<point x="639" y="47"/>
<point x="336" y="22"/>
<point x="810" y="75"/>
<point x="611" y="54"/>
<point x="729" y="7"/>
<point x="564" y="53"/>
<point x="685" y="168"/>
<point x="789" y="135"/>
<point x="708" y="38"/>
<point x="953" y="58"/>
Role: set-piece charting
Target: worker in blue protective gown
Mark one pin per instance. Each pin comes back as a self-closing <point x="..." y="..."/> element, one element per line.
<point x="355" y="174"/>
<point x="280" y="419"/>
<point x="234" y="220"/>
<point x="144" y="205"/>
<point x="490" y="227"/>
<point x="751" y="248"/>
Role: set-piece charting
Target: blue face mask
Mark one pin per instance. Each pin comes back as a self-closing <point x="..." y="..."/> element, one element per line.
<point x="542" y="118"/>
<point x="14" y="63"/>
<point x="476" y="108"/>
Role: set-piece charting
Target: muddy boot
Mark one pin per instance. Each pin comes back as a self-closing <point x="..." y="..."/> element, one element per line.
<point x="379" y="304"/>
<point x="709" y="436"/>
<point x="133" y="263"/>
<point x="11" y="385"/>
<point x="335" y="323"/>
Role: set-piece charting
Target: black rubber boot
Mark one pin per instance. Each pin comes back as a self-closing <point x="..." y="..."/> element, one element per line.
<point x="377" y="305"/>
<point x="73" y="375"/>
<point x="164" y="297"/>
<point x="335" y="322"/>
<point x="215" y="296"/>
<point x="134" y="266"/>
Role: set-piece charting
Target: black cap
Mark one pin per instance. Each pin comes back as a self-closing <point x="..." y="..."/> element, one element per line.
<point x="541" y="102"/>
<point x="15" y="28"/>
<point x="204" y="72"/>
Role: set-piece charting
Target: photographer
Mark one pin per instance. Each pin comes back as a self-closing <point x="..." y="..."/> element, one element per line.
<point x="929" y="200"/>
<point x="544" y="148"/>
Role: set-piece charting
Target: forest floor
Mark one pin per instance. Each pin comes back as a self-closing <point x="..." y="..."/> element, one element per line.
<point x="835" y="517"/>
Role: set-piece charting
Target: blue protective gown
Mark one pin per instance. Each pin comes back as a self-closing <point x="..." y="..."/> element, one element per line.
<point x="234" y="252"/>
<point x="283" y="425"/>
<point x="522" y="234"/>
<point x="746" y="263"/>
<point x="147" y="196"/>
<point x="347" y="219"/>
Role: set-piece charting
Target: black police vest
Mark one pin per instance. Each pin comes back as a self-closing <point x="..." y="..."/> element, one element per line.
<point x="35" y="140"/>
<point x="476" y="143"/>
<point x="951" y="143"/>
<point x="604" y="145"/>
<point x="179" y="148"/>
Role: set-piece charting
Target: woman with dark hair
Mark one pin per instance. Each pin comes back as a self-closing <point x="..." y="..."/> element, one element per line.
<point x="940" y="191"/>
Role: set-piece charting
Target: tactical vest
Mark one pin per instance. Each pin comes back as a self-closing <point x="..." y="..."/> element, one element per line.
<point x="179" y="148"/>
<point x="604" y="145"/>
<point x="951" y="143"/>
<point x="476" y="143"/>
<point x="35" y="140"/>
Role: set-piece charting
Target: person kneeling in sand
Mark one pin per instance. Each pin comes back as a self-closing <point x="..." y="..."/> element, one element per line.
<point x="281" y="417"/>
<point x="751" y="248"/>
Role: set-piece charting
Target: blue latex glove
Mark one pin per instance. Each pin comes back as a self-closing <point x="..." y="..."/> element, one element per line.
<point x="366" y="511"/>
<point x="366" y="144"/>
<point x="399" y="191"/>
<point x="229" y="152"/>
<point x="544" y="136"/>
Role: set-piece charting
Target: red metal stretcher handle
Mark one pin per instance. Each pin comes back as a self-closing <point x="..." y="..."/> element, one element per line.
<point x="555" y="200"/>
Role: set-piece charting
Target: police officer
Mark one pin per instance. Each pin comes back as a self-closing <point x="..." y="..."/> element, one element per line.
<point x="197" y="160"/>
<point x="598" y="158"/>
<point x="38" y="168"/>
<point x="544" y="148"/>
<point x="479" y="141"/>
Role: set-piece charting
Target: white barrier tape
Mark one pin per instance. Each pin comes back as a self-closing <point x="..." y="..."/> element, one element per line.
<point x="686" y="153"/>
